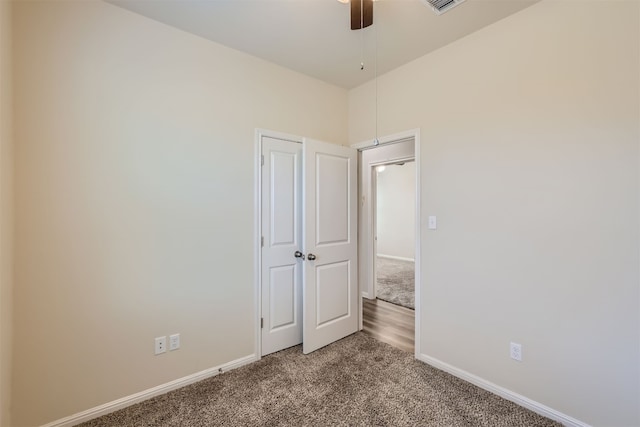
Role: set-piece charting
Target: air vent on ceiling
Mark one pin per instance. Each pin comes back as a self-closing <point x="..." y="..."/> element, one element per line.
<point x="441" y="6"/>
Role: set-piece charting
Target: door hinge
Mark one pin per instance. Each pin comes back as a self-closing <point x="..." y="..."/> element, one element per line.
<point x="261" y="322"/>
<point x="262" y="160"/>
<point x="262" y="241"/>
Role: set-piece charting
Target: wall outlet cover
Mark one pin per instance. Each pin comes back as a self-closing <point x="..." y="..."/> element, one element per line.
<point x="174" y="342"/>
<point x="160" y="345"/>
<point x="515" y="350"/>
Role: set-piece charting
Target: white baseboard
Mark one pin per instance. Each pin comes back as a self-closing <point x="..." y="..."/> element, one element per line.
<point x="365" y="295"/>
<point x="399" y="258"/>
<point x="118" y="404"/>
<point x="115" y="405"/>
<point x="532" y="405"/>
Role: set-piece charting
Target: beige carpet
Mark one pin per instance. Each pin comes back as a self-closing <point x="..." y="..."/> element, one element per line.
<point x="356" y="381"/>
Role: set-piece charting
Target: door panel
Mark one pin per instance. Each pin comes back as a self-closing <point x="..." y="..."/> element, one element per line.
<point x="282" y="233"/>
<point x="330" y="280"/>
<point x="332" y="173"/>
<point x="282" y="297"/>
<point x="332" y="287"/>
<point x="283" y="201"/>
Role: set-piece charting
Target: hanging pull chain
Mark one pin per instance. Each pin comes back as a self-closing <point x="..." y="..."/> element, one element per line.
<point x="362" y="35"/>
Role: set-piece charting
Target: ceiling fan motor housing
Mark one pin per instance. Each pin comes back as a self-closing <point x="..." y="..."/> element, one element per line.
<point x="361" y="14"/>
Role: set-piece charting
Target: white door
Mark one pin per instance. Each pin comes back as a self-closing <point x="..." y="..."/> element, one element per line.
<point x="330" y="285"/>
<point x="282" y="237"/>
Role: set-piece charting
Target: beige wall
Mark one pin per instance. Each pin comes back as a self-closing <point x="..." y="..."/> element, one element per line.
<point x="396" y="211"/>
<point x="530" y="141"/>
<point x="134" y="208"/>
<point x="6" y="210"/>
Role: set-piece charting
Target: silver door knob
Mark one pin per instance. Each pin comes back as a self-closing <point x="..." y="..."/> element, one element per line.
<point x="311" y="257"/>
<point x="299" y="254"/>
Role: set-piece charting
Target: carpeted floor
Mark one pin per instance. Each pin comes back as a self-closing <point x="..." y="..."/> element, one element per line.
<point x="396" y="281"/>
<point x="356" y="381"/>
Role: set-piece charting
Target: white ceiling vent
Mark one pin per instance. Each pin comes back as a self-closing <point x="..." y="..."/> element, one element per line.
<point x="441" y="6"/>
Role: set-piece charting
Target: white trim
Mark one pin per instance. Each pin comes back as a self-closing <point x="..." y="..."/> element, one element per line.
<point x="399" y="258"/>
<point x="115" y="405"/>
<point x="367" y="212"/>
<point x="519" y="399"/>
<point x="418" y="264"/>
<point x="413" y="134"/>
<point x="389" y="139"/>
<point x="257" y="243"/>
<point x="277" y="135"/>
<point x="257" y="227"/>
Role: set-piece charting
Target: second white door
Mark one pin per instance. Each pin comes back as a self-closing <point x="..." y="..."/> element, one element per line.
<point x="281" y="238"/>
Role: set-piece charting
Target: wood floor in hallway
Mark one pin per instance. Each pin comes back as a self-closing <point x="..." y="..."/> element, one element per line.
<point x="389" y="323"/>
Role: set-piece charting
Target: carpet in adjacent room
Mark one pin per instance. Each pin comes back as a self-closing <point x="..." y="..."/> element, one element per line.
<point x="396" y="281"/>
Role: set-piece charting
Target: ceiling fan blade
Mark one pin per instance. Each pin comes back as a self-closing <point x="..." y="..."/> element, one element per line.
<point x="359" y="21"/>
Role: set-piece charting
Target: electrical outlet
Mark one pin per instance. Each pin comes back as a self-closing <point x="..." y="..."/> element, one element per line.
<point x="161" y="345"/>
<point x="174" y="342"/>
<point x="516" y="351"/>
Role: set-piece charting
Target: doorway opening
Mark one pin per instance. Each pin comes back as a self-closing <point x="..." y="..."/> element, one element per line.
<point x="394" y="225"/>
<point x="389" y="240"/>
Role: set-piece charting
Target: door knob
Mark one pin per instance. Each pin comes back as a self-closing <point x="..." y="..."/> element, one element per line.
<point x="311" y="257"/>
<point x="299" y="254"/>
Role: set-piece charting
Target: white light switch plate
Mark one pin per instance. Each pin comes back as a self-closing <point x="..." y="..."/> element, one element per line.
<point x="433" y="223"/>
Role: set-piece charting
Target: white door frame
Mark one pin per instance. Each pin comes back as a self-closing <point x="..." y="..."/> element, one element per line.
<point x="366" y="253"/>
<point x="257" y="198"/>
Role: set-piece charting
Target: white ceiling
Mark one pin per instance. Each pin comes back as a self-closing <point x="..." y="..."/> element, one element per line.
<point x="313" y="36"/>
